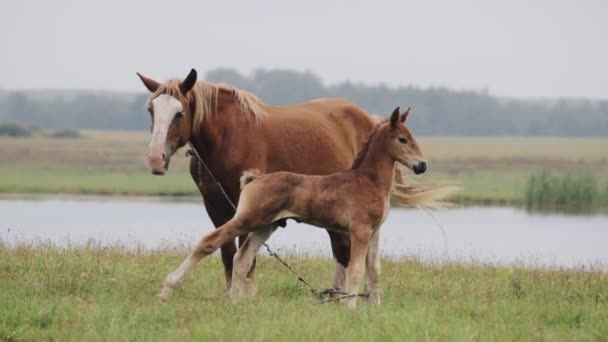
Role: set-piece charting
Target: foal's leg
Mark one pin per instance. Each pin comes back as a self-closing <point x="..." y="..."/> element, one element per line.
<point x="372" y="268"/>
<point x="219" y="212"/>
<point x="244" y="258"/>
<point x="209" y="244"/>
<point x="359" y="240"/>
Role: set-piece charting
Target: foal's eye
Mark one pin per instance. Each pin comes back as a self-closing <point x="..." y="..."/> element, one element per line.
<point x="403" y="140"/>
<point x="179" y="114"/>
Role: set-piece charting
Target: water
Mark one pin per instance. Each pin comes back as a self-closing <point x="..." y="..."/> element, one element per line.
<point x="489" y="235"/>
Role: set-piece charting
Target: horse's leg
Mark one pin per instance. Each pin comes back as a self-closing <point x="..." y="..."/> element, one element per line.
<point x="209" y="244"/>
<point x="340" y="246"/>
<point x="219" y="217"/>
<point x="359" y="241"/>
<point x="372" y="268"/>
<point x="243" y="260"/>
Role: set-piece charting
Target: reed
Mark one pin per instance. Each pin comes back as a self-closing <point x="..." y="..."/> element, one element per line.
<point x="546" y="191"/>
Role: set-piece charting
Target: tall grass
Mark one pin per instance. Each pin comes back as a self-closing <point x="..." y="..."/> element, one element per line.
<point x="546" y="191"/>
<point x="95" y="293"/>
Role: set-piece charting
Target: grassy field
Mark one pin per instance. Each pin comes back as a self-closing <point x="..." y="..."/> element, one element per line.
<point x="92" y="293"/>
<point x="492" y="170"/>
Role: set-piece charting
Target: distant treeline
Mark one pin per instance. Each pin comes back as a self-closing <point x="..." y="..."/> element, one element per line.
<point x="437" y="111"/>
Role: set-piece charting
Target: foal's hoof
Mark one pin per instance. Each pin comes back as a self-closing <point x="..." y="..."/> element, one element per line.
<point x="373" y="298"/>
<point x="164" y="294"/>
<point x="351" y="303"/>
<point x="235" y="297"/>
<point x="250" y="288"/>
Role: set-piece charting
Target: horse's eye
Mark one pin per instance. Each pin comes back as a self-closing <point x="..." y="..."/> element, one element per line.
<point x="179" y="114"/>
<point x="403" y="140"/>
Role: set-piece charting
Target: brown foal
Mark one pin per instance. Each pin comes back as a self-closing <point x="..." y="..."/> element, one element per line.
<point x="355" y="202"/>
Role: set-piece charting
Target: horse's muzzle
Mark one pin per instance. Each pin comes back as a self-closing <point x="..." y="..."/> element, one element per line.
<point x="420" y="167"/>
<point x="158" y="161"/>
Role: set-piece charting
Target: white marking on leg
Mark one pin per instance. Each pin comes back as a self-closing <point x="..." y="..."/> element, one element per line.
<point x="174" y="279"/>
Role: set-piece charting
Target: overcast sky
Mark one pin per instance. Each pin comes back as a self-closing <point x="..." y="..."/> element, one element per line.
<point x="512" y="48"/>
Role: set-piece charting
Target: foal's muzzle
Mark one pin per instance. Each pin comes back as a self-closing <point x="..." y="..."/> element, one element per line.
<point x="419" y="168"/>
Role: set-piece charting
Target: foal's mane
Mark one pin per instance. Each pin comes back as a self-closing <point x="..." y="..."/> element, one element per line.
<point x="365" y="147"/>
<point x="205" y="95"/>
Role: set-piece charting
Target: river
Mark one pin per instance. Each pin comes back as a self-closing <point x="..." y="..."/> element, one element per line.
<point x="474" y="234"/>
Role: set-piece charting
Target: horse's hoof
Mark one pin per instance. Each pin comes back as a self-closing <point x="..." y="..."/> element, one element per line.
<point x="164" y="294"/>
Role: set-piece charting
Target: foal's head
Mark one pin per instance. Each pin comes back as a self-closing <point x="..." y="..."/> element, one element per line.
<point x="171" y="112"/>
<point x="401" y="143"/>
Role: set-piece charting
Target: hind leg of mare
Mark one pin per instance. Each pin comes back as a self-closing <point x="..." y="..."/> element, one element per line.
<point x="209" y="244"/>
<point x="243" y="260"/>
<point x="340" y="246"/>
<point x="372" y="269"/>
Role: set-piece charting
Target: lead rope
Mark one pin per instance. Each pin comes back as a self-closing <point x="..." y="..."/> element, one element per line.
<point x="319" y="294"/>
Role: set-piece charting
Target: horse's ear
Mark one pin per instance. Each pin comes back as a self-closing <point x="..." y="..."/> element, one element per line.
<point x="405" y="114"/>
<point x="150" y="84"/>
<point x="226" y="94"/>
<point x="188" y="82"/>
<point x="395" y="117"/>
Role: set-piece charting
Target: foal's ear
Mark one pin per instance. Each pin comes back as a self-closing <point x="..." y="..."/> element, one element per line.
<point x="405" y="114"/>
<point x="188" y="82"/>
<point x="150" y="84"/>
<point x="395" y="117"/>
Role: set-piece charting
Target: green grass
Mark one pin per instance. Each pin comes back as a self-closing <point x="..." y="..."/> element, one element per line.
<point x="93" y="293"/>
<point x="491" y="170"/>
<point x="133" y="183"/>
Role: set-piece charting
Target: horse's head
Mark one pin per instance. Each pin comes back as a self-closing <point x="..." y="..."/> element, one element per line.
<point x="402" y="144"/>
<point x="171" y="113"/>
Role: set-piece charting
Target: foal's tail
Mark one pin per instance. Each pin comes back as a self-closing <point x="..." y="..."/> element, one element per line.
<point x="248" y="177"/>
<point x="421" y="195"/>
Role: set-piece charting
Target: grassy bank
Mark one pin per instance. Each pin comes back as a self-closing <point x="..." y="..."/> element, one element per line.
<point x="492" y="170"/>
<point x="93" y="293"/>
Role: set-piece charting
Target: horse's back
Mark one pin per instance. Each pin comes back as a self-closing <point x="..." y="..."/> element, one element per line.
<point x="339" y="124"/>
<point x="328" y="108"/>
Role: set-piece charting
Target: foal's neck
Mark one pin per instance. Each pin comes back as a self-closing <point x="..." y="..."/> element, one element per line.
<point x="378" y="165"/>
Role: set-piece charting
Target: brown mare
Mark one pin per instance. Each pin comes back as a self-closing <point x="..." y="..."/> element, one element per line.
<point x="234" y="131"/>
<point x="356" y="202"/>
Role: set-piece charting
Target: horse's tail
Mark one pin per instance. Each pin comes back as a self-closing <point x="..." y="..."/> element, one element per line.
<point x="248" y="177"/>
<point x="425" y="195"/>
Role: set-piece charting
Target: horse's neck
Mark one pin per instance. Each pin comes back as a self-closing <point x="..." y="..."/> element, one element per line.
<point x="378" y="165"/>
<point x="210" y="137"/>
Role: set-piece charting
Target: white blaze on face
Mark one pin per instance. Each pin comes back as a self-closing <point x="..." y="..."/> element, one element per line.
<point x="165" y="108"/>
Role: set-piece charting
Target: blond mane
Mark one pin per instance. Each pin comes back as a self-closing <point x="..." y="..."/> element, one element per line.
<point x="205" y="96"/>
